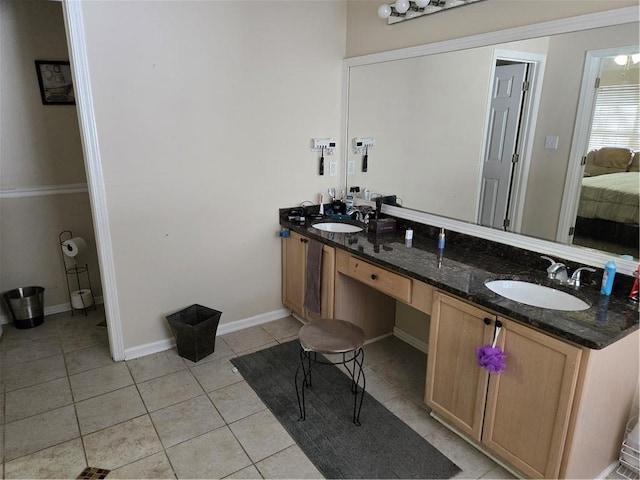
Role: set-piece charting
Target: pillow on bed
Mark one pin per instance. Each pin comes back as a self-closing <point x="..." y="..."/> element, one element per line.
<point x="607" y="160"/>
<point x="634" y="166"/>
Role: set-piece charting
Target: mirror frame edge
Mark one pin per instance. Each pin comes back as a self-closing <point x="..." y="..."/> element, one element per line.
<point x="587" y="256"/>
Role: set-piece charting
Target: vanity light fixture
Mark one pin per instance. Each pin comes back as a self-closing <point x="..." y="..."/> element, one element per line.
<point x="627" y="60"/>
<point x="407" y="9"/>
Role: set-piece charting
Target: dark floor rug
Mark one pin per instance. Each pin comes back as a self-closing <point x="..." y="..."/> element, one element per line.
<point x="382" y="447"/>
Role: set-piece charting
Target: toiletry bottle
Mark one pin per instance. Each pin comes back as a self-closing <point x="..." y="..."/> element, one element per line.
<point x="607" y="277"/>
<point x="408" y="237"/>
<point x="633" y="295"/>
<point x="441" y="238"/>
<point x="349" y="200"/>
<point x="440" y="247"/>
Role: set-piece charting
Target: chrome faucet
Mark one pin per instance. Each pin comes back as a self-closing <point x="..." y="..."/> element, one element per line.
<point x="574" y="281"/>
<point x="556" y="271"/>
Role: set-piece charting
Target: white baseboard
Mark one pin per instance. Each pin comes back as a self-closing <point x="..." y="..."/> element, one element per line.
<point x="411" y="340"/>
<point x="224" y="328"/>
<point x="50" y="310"/>
<point x="605" y="473"/>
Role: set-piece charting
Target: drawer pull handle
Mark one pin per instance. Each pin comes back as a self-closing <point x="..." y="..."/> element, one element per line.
<point x="374" y="276"/>
<point x="487" y="321"/>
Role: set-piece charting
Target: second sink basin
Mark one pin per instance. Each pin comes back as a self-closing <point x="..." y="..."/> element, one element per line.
<point x="337" y="227"/>
<point x="536" y="295"/>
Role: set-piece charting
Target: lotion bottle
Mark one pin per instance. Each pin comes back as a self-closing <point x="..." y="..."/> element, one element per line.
<point x="607" y="277"/>
<point x="441" y="238"/>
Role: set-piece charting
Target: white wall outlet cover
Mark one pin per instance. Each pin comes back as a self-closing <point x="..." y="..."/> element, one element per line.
<point x="551" y="142"/>
<point x="351" y="167"/>
<point x="333" y="168"/>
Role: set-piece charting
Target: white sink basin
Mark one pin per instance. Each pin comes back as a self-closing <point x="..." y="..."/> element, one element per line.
<point x="536" y="295"/>
<point x="337" y="227"/>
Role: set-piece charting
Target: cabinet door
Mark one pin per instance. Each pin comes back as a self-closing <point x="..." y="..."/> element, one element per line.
<point x="528" y="407"/>
<point x="456" y="386"/>
<point x="294" y="256"/>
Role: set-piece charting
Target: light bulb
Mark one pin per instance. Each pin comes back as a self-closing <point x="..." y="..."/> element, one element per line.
<point x="402" y="6"/>
<point x="620" y="59"/>
<point x="635" y="58"/>
<point x="421" y="3"/>
<point x="384" y="11"/>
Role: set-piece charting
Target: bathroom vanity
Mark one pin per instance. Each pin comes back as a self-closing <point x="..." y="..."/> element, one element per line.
<point x="559" y="410"/>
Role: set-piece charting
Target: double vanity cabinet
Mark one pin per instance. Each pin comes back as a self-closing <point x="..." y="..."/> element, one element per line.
<point x="559" y="410"/>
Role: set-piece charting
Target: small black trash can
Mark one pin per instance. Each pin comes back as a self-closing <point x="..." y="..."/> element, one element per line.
<point x="195" y="331"/>
<point x="26" y="306"/>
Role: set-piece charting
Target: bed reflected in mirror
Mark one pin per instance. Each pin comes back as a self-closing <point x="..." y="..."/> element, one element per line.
<point x="609" y="195"/>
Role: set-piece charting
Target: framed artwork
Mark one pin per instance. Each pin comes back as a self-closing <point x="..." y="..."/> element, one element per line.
<point x="56" y="85"/>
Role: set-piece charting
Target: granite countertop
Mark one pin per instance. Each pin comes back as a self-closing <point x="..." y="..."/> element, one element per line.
<point x="464" y="271"/>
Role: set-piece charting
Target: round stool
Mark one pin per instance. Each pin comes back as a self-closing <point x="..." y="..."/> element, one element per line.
<point x="326" y="336"/>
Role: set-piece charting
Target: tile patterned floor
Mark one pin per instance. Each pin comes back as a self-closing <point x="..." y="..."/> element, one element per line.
<point x="65" y="406"/>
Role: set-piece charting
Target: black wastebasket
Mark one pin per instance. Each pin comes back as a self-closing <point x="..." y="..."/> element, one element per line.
<point x="26" y="306"/>
<point x="195" y="331"/>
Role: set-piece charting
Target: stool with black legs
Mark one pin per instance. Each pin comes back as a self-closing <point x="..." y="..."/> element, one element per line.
<point x="331" y="337"/>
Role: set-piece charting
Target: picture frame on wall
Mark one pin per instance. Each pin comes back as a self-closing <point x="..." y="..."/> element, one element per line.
<point x="56" y="84"/>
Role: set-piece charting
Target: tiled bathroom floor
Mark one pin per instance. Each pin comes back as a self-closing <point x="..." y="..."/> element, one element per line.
<point x="66" y="405"/>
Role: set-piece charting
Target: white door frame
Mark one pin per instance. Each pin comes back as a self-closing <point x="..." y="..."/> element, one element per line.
<point x="580" y="142"/>
<point x="536" y="63"/>
<point x="74" y="26"/>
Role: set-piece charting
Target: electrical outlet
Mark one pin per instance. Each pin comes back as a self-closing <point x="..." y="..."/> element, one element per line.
<point x="333" y="168"/>
<point x="351" y="167"/>
<point x="550" y="142"/>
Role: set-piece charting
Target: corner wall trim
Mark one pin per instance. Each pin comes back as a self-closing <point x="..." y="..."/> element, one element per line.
<point x="76" y="41"/>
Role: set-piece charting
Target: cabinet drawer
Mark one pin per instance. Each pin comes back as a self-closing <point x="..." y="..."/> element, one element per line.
<point x="382" y="280"/>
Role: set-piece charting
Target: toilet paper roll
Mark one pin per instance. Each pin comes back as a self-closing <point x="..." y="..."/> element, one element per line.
<point x="74" y="246"/>
<point x="81" y="299"/>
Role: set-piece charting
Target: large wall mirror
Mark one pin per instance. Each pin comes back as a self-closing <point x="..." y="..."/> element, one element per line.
<point x="447" y="118"/>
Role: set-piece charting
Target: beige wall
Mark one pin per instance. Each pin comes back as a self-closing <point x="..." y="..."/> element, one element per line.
<point x="39" y="147"/>
<point x="204" y="112"/>
<point x="556" y="116"/>
<point x="428" y="121"/>
<point x="366" y="33"/>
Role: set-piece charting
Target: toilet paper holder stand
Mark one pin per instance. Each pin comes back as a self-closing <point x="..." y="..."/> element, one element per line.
<point x="76" y="275"/>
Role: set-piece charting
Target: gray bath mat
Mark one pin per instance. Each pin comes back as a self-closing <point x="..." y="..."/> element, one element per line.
<point x="382" y="447"/>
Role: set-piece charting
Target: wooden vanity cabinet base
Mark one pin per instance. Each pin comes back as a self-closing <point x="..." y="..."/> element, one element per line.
<point x="366" y="294"/>
<point x="559" y="410"/>
<point x="607" y="385"/>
